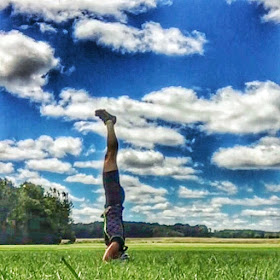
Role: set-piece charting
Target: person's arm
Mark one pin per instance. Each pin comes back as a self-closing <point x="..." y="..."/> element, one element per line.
<point x="112" y="252"/>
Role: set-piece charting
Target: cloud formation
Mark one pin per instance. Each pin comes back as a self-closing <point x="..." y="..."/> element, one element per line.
<point x="25" y="175"/>
<point x="225" y="186"/>
<point x="95" y="164"/>
<point x="63" y="10"/>
<point x="228" y="111"/>
<point x="272" y="187"/>
<point x="268" y="212"/>
<point x="151" y="38"/>
<point x="51" y="165"/>
<point x="6" y="168"/>
<point x="139" y="193"/>
<point x="46" y="28"/>
<point x="24" y="64"/>
<point x="84" y="179"/>
<point x="254" y="110"/>
<point x="265" y="154"/>
<point x="87" y="214"/>
<point x="255" y="201"/>
<point x="149" y="162"/>
<point x="273" y="9"/>
<point x="44" y="146"/>
<point x="184" y="192"/>
<point x="193" y="213"/>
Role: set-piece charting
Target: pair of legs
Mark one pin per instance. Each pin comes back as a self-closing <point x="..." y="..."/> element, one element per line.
<point x="113" y="224"/>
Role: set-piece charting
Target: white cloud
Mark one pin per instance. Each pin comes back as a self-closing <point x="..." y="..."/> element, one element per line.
<point x="149" y="162"/>
<point x="228" y="111"/>
<point x="24" y="64"/>
<point x="44" y="27"/>
<point x="151" y="38"/>
<point x="95" y="164"/>
<point x="139" y="193"/>
<point x="130" y="158"/>
<point x="52" y="165"/>
<point x="269" y="212"/>
<point x="6" y="168"/>
<point x="255" y="201"/>
<point x="11" y="150"/>
<point x="264" y="154"/>
<point x="84" y="179"/>
<point x="25" y="175"/>
<point x="40" y="148"/>
<point x="273" y="9"/>
<point x="193" y="213"/>
<point x="74" y="104"/>
<point x="145" y="208"/>
<point x="184" y="192"/>
<point x="225" y="186"/>
<point x="91" y="150"/>
<point x="63" y="10"/>
<point x="76" y="199"/>
<point x="87" y="214"/>
<point x="272" y="188"/>
<point x="63" y="145"/>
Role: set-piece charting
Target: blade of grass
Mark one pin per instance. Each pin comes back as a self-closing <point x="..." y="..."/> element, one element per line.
<point x="70" y="268"/>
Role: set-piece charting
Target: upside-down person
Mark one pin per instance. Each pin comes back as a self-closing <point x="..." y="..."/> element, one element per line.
<point x="114" y="194"/>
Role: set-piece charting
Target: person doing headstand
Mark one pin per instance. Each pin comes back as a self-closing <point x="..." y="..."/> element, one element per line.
<point x="114" y="194"/>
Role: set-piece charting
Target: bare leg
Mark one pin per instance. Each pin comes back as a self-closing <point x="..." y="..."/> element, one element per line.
<point x="110" y="162"/>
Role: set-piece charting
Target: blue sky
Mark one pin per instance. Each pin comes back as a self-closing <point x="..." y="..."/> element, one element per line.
<point x="195" y="86"/>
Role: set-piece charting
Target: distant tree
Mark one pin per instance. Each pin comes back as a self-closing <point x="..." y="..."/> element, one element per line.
<point x="8" y="201"/>
<point x="29" y="215"/>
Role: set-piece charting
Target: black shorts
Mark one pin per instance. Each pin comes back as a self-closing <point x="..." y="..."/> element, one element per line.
<point x="114" y="193"/>
<point x="113" y="221"/>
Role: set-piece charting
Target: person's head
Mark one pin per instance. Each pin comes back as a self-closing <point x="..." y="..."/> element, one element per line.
<point x="114" y="251"/>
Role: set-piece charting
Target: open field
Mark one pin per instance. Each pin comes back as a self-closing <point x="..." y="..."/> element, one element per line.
<point x="150" y="259"/>
<point x="189" y="240"/>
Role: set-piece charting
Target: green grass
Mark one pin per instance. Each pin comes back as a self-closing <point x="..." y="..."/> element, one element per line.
<point x="149" y="261"/>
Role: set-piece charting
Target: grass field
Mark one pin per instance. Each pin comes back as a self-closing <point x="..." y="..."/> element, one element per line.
<point x="150" y="259"/>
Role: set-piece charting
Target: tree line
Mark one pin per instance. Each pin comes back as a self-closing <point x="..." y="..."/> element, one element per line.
<point x="30" y="215"/>
<point x="141" y="229"/>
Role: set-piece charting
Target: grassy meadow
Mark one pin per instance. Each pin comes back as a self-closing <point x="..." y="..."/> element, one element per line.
<point x="150" y="259"/>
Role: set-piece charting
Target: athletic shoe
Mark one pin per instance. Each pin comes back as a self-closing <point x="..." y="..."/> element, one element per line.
<point x="124" y="257"/>
<point x="105" y="116"/>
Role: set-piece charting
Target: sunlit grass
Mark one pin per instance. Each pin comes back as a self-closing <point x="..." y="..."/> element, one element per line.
<point x="147" y="262"/>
